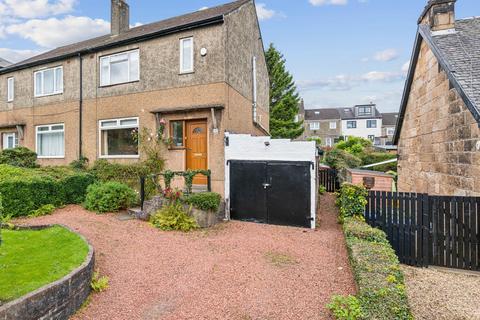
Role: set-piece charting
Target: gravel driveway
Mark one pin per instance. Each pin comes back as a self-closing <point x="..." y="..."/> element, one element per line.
<point x="438" y="294"/>
<point x="234" y="271"/>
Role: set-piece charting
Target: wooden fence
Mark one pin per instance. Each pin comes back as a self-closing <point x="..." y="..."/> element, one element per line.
<point x="329" y="179"/>
<point x="429" y="230"/>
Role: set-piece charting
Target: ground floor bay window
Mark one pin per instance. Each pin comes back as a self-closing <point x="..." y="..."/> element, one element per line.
<point x="50" y="141"/>
<point x="118" y="138"/>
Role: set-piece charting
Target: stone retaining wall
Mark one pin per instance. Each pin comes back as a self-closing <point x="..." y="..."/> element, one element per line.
<point x="57" y="300"/>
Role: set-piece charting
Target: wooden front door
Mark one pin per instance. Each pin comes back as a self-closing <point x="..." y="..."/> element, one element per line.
<point x="196" y="143"/>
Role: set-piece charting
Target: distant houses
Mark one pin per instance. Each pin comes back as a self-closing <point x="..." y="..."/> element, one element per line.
<point x="333" y="124"/>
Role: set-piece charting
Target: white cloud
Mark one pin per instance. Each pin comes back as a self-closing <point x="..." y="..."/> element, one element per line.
<point x="264" y="13"/>
<point x="405" y="67"/>
<point x="318" y="3"/>
<point x="203" y="8"/>
<point x="53" y="32"/>
<point x="381" y="76"/>
<point x="386" y="55"/>
<point x="17" y="55"/>
<point x="29" y="9"/>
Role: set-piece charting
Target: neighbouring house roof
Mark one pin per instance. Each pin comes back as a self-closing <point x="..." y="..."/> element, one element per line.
<point x="389" y="119"/>
<point x="458" y="53"/>
<point x="349" y="113"/>
<point x="4" y="63"/>
<point x="188" y="108"/>
<point x="322" y="114"/>
<point x="153" y="30"/>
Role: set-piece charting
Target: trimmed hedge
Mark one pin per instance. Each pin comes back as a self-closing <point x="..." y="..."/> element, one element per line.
<point x="109" y="197"/>
<point x="381" y="288"/>
<point x="19" y="157"/>
<point x="206" y="201"/>
<point x="351" y="201"/>
<point x="25" y="190"/>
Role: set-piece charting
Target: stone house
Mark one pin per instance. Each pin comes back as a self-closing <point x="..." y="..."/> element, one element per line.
<point x="438" y="131"/>
<point x="324" y="124"/>
<point x="197" y="75"/>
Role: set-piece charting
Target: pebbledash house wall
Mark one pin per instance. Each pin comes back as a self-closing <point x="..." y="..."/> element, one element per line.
<point x="222" y="77"/>
<point x="439" y="145"/>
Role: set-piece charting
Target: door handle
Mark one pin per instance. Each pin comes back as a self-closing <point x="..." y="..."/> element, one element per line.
<point x="266" y="185"/>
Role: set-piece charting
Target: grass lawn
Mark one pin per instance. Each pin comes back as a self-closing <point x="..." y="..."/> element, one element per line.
<point x="32" y="259"/>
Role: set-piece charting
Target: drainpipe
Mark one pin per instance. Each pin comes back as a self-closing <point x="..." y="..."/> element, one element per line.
<point x="80" y="110"/>
<point x="254" y="78"/>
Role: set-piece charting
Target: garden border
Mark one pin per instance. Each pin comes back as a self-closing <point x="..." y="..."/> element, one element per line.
<point x="59" y="299"/>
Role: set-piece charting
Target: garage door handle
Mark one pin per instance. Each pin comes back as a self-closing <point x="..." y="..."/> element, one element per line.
<point x="266" y="185"/>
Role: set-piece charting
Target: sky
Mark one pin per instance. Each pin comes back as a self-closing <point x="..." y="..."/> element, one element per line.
<point x="340" y="52"/>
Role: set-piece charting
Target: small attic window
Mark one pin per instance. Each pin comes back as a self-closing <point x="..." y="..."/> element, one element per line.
<point x="317" y="112"/>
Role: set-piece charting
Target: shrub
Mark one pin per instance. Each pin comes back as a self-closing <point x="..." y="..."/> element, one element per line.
<point x="42" y="211"/>
<point x="354" y="145"/>
<point x="345" y="308"/>
<point x="80" y="164"/>
<point x="376" y="157"/>
<point x="321" y="189"/>
<point x="173" y="217"/>
<point x="19" y="157"/>
<point x="357" y="228"/>
<point x="381" y="289"/>
<point x="26" y="190"/>
<point x="352" y="201"/>
<point x="206" y="201"/>
<point x="99" y="283"/>
<point x="109" y="197"/>
<point x="339" y="159"/>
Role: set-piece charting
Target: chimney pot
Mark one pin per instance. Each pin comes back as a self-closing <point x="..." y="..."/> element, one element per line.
<point x="439" y="15"/>
<point x="120" y="20"/>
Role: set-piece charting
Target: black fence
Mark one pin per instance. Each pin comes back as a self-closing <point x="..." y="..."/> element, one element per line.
<point x="429" y="230"/>
<point x="329" y="179"/>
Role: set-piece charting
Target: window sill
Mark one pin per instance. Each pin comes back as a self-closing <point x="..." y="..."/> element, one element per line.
<point x="49" y="95"/>
<point x="118" y="84"/>
<point x="119" y="157"/>
<point x="51" y="157"/>
<point x="182" y="73"/>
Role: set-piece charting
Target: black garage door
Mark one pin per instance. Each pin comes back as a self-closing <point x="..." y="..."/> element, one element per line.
<point x="271" y="192"/>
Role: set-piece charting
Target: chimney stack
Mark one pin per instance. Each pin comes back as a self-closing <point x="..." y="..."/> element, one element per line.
<point x="120" y="21"/>
<point x="439" y="15"/>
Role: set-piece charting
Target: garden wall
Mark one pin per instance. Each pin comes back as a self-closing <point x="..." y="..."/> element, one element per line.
<point x="57" y="300"/>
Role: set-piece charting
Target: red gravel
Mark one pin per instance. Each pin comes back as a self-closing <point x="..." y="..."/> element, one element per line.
<point x="234" y="271"/>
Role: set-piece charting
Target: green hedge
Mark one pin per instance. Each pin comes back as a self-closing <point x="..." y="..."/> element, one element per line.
<point x="109" y="197"/>
<point x="351" y="200"/>
<point x="381" y="288"/>
<point x="19" y="157"/>
<point x="204" y="201"/>
<point x="25" y="190"/>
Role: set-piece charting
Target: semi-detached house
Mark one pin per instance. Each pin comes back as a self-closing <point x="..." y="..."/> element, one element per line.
<point x="203" y="74"/>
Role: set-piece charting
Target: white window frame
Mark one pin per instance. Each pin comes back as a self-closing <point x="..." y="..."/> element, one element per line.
<point x="118" y="126"/>
<point x="354" y="124"/>
<point x="5" y="137"/>
<point x="314" y="126"/>
<point x="55" y="89"/>
<point x="333" y="125"/>
<point x="191" y="54"/>
<point x="366" y="111"/>
<point x="109" y="57"/>
<point x="49" y="131"/>
<point x="10" y="89"/>
<point x="390" y="131"/>
<point x="329" y="142"/>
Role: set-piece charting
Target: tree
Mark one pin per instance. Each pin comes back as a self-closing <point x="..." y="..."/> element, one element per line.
<point x="284" y="99"/>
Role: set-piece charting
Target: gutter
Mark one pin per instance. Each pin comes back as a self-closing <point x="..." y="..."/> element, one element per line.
<point x="208" y="22"/>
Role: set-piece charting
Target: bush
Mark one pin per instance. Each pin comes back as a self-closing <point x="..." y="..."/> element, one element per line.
<point x="376" y="157"/>
<point x="42" y="211"/>
<point x="381" y="288"/>
<point x="206" y="201"/>
<point x="80" y="164"/>
<point x="109" y="197"/>
<point x="352" y="201"/>
<point x="339" y="159"/>
<point x="321" y="189"/>
<point x="345" y="308"/>
<point x="26" y="190"/>
<point x="19" y="157"/>
<point x="99" y="283"/>
<point x="173" y="217"/>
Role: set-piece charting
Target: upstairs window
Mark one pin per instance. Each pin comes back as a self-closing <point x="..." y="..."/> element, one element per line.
<point x="351" y="124"/>
<point x="48" y="82"/>
<point x="315" y="126"/>
<point x="10" y="140"/>
<point x="364" y="111"/>
<point x="186" y="55"/>
<point x="119" y="138"/>
<point x="10" y="89"/>
<point x="51" y="141"/>
<point x="390" y="131"/>
<point x="333" y="125"/>
<point x="371" y="124"/>
<point x="120" y="68"/>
